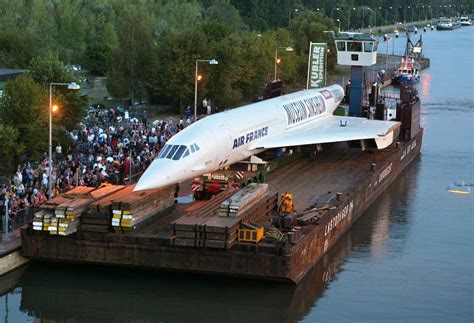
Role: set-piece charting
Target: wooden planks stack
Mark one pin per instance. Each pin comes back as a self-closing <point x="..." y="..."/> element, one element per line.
<point x="135" y="209"/>
<point x="80" y="191"/>
<point x="66" y="219"/>
<point x="61" y="215"/>
<point x="99" y="216"/>
<point x="241" y="201"/>
<point x="205" y="227"/>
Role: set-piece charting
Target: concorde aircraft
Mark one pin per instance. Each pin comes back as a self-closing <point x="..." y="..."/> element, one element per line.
<point x="300" y="118"/>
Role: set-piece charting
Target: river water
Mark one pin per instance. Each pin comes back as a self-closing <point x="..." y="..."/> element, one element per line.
<point x="409" y="258"/>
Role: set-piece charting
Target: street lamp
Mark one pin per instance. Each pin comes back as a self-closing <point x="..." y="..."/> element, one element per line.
<point x="289" y="15"/>
<point x="288" y="49"/>
<point x="386" y="15"/>
<point x="196" y="78"/>
<point x="339" y="25"/>
<point x="363" y="15"/>
<point x="70" y="86"/>
<point x="332" y="12"/>
<point x="349" y="18"/>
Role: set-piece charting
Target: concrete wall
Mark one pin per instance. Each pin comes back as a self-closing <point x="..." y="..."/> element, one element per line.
<point x="11" y="262"/>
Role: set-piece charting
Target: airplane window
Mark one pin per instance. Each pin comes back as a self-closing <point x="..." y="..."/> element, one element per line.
<point x="172" y="151"/>
<point x="164" y="151"/>
<point x="192" y="148"/>
<point x="186" y="153"/>
<point x="197" y="147"/>
<point x="179" y="152"/>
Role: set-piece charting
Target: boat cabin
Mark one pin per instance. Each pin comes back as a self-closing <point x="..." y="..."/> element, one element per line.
<point x="356" y="49"/>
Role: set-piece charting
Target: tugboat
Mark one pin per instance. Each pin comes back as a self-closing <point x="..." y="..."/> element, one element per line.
<point x="465" y="21"/>
<point x="407" y="72"/>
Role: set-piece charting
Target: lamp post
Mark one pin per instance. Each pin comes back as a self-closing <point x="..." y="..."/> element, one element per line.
<point x="289" y="15"/>
<point x="286" y="48"/>
<point x="349" y="18"/>
<point x="386" y="15"/>
<point x="332" y="12"/>
<point x="339" y="25"/>
<point x="70" y="86"/>
<point x="375" y="16"/>
<point x="363" y="15"/>
<point x="211" y="62"/>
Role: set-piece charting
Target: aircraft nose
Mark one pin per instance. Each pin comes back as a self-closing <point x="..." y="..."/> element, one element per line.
<point x="157" y="175"/>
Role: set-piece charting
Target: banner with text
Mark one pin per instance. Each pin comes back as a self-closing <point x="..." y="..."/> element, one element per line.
<point x="317" y="65"/>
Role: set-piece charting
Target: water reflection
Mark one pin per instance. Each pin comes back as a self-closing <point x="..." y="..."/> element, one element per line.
<point x="60" y="292"/>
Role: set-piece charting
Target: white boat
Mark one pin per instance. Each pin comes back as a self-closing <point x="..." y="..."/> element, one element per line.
<point x="465" y="21"/>
<point x="444" y="24"/>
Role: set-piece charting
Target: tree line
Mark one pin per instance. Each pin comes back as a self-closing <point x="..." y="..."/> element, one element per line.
<point x="147" y="50"/>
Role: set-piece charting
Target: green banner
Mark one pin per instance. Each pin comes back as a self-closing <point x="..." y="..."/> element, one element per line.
<point x="317" y="65"/>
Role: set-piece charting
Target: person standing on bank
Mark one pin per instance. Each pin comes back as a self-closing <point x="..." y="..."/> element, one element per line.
<point x="204" y="104"/>
<point x="209" y="109"/>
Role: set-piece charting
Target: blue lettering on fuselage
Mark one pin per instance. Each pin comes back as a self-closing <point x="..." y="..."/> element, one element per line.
<point x="249" y="137"/>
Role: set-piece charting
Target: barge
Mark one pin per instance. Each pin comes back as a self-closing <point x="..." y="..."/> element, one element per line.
<point x="334" y="187"/>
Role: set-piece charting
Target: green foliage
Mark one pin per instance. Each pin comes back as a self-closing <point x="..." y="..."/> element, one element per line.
<point x="129" y="63"/>
<point x="309" y="27"/>
<point x="17" y="47"/>
<point x="10" y="148"/>
<point x="24" y="107"/>
<point x="48" y="68"/>
<point x="148" y="48"/>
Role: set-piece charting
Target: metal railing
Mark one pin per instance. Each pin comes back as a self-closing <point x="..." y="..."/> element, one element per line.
<point x="21" y="217"/>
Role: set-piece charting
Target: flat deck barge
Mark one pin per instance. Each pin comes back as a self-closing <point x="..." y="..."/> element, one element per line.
<point x="348" y="180"/>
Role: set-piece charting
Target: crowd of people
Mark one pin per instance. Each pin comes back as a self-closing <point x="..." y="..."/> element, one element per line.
<point x="109" y="146"/>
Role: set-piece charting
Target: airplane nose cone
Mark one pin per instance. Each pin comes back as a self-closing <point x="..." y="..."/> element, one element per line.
<point x="145" y="183"/>
<point x="158" y="174"/>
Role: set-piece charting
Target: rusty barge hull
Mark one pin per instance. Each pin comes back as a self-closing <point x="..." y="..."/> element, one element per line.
<point x="360" y="176"/>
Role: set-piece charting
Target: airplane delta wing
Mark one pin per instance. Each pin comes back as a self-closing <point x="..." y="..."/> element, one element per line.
<point x="333" y="129"/>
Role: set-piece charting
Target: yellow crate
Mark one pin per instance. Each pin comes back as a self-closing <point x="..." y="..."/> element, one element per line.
<point x="250" y="235"/>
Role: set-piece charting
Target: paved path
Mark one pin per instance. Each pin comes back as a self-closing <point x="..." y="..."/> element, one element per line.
<point x="13" y="243"/>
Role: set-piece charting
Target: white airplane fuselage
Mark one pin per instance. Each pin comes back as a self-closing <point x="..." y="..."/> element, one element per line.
<point x="231" y="136"/>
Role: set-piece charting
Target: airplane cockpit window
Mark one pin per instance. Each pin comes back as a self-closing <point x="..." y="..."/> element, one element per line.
<point x="179" y="152"/>
<point x="164" y="151"/>
<point x="186" y="153"/>
<point x="172" y="151"/>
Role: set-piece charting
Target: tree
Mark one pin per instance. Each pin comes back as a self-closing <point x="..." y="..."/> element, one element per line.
<point x="171" y="77"/>
<point x="10" y="149"/>
<point x="99" y="48"/>
<point x="48" y="69"/>
<point x="24" y="108"/>
<point x="129" y="64"/>
<point x="310" y="27"/>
